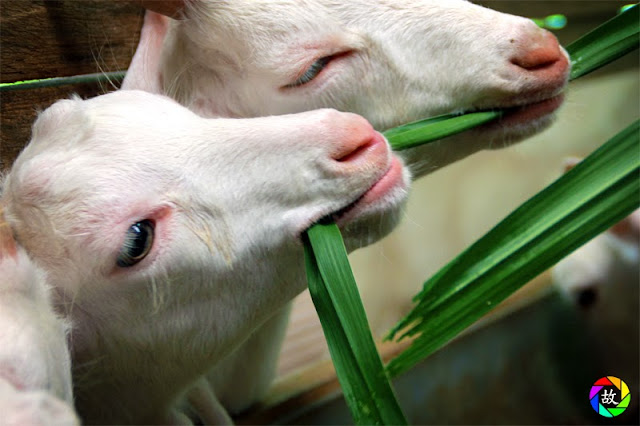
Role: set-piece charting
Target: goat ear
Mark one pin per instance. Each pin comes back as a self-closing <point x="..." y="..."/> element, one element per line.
<point x="144" y="71"/>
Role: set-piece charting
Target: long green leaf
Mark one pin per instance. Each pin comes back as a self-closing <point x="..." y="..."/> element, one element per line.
<point x="101" y="77"/>
<point x="611" y="40"/>
<point x="344" y="360"/>
<point x="593" y="196"/>
<point x="334" y="292"/>
<point x="435" y="128"/>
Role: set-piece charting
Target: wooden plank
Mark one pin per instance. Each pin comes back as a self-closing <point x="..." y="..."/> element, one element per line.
<point x="42" y="39"/>
<point x="18" y="110"/>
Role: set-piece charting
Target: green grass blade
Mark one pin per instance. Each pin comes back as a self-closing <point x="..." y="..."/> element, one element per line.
<point x="611" y="40"/>
<point x="101" y="77"/>
<point x="593" y="196"/>
<point x="435" y="128"/>
<point x="353" y="384"/>
<point x="365" y="383"/>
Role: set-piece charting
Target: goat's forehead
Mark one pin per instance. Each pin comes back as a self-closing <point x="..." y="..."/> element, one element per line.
<point x="103" y="126"/>
<point x="71" y="120"/>
<point x="71" y="204"/>
<point x="261" y="19"/>
<point x="258" y="29"/>
<point x="288" y="13"/>
<point x="88" y="175"/>
<point x="94" y="176"/>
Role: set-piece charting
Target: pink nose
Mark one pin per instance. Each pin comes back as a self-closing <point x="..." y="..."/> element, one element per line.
<point x="540" y="55"/>
<point x="359" y="143"/>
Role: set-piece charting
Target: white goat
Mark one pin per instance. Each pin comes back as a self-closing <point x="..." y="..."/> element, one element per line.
<point x="390" y="61"/>
<point x="35" y="369"/>
<point x="170" y="238"/>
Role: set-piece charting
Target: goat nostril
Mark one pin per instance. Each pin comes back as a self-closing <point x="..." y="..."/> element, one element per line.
<point x="359" y="142"/>
<point x="537" y="59"/>
<point x="350" y="155"/>
<point x="534" y="65"/>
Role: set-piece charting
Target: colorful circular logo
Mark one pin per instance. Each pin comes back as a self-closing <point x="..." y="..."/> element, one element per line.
<point x="609" y="396"/>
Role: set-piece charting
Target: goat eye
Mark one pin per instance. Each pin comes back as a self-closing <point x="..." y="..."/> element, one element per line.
<point x="137" y="243"/>
<point x="312" y="72"/>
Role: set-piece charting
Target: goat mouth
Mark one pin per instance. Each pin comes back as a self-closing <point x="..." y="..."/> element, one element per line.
<point x="527" y="113"/>
<point x="385" y="184"/>
<point x="532" y="111"/>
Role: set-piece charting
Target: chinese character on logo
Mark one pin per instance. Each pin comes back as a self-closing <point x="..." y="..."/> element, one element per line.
<point x="603" y="394"/>
<point x="607" y="398"/>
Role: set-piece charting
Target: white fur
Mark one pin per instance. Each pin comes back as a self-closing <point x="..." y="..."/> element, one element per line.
<point x="35" y="369"/>
<point x="230" y="199"/>
<point x="606" y="268"/>
<point x="406" y="60"/>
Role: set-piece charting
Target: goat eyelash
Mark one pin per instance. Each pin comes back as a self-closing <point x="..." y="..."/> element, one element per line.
<point x="312" y="72"/>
